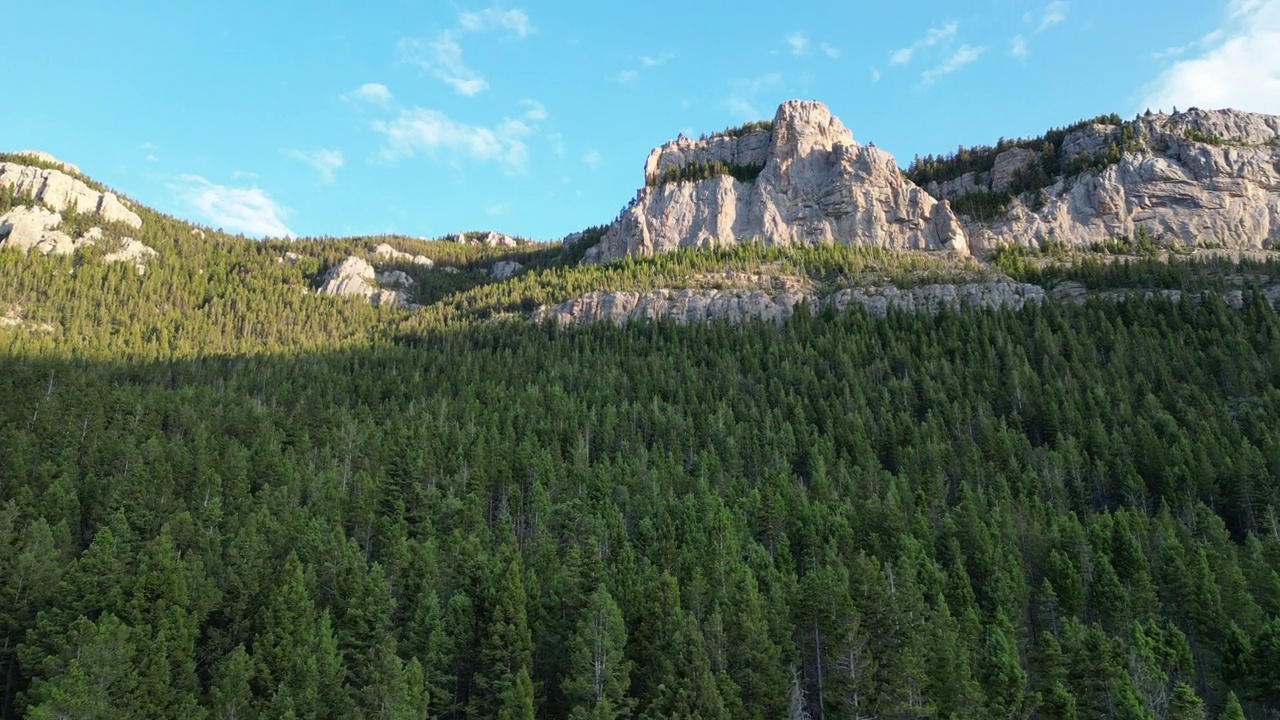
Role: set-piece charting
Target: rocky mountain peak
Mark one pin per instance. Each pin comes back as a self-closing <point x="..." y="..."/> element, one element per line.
<point x="798" y="180"/>
<point x="801" y="127"/>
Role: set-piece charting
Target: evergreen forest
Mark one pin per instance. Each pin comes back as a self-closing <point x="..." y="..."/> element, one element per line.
<point x="225" y="497"/>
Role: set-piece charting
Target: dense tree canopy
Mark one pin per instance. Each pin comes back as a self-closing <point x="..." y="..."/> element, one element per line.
<point x="223" y="497"/>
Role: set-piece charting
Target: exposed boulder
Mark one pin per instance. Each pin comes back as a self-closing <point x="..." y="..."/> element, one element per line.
<point x="504" y="269"/>
<point x="132" y="251"/>
<point x="30" y="227"/>
<point x="804" y="182"/>
<point x="47" y="158"/>
<point x="489" y="238"/>
<point x="63" y="192"/>
<point x="390" y="254"/>
<point x="355" y="277"/>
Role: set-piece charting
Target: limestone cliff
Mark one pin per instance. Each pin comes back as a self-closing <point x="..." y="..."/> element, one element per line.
<point x="1203" y="178"/>
<point x="801" y="181"/>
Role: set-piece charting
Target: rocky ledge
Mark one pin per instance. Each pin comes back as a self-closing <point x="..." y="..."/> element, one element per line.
<point x="736" y="305"/>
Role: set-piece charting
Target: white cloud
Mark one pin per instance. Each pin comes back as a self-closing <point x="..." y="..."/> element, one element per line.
<point x="150" y="148"/>
<point x="799" y="43"/>
<point x="1238" y="65"/>
<point x="1018" y="47"/>
<point x="1054" y="13"/>
<point x="902" y="56"/>
<point x="964" y="55"/>
<point x="831" y="51"/>
<point x="324" y="161"/>
<point x="491" y="19"/>
<point x="742" y="101"/>
<point x="246" y="210"/>
<point x="423" y="130"/>
<point x="372" y="93"/>
<point x="875" y="74"/>
<point x="534" y="110"/>
<point x="593" y="159"/>
<point x="629" y="76"/>
<point x="441" y="56"/>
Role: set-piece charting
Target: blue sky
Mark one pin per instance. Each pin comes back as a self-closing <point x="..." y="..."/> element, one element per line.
<point x="534" y="118"/>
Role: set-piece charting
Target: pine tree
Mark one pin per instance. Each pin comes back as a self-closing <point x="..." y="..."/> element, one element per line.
<point x="599" y="674"/>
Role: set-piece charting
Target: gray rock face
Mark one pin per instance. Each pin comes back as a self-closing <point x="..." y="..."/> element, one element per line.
<point x="355" y="277"/>
<point x="816" y="185"/>
<point x="1008" y="164"/>
<point x="28" y="228"/>
<point x="490" y="238"/>
<point x="132" y="251"/>
<point x="46" y="157"/>
<point x="738" y="305"/>
<point x="1166" y="185"/>
<point x="504" y="269"/>
<point x="63" y="192"/>
<point x="390" y="254"/>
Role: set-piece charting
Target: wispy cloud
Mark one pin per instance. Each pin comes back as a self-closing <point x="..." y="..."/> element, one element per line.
<point x="246" y="210"/>
<point x="830" y="50"/>
<point x="745" y="95"/>
<point x="442" y="59"/>
<point x="372" y="93"/>
<point x="799" y="43"/>
<point x="875" y="74"/>
<point x="1018" y="47"/>
<point x="325" y="162"/>
<point x="150" y="149"/>
<point x="593" y="159"/>
<point x="938" y="34"/>
<point x="1237" y="65"/>
<point x="422" y="130"/>
<point x="1054" y="13"/>
<point x="964" y="55"/>
<point x="629" y="76"/>
<point x="491" y="19"/>
<point x="441" y="56"/>
<point x="534" y="110"/>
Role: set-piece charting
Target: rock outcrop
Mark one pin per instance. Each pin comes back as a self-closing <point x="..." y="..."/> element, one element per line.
<point x="355" y="277"/>
<point x="28" y="228"/>
<point x="132" y="251"/>
<point x="805" y="181"/>
<point x="490" y="238"/>
<point x="738" y="305"/>
<point x="63" y="192"/>
<point x="1205" y="178"/>
<point x="389" y="254"/>
<point x="504" y="269"/>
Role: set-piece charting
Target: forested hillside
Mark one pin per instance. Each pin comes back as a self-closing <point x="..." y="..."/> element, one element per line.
<point x="222" y="496"/>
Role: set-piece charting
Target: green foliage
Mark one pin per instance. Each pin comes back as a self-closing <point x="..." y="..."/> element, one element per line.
<point x="744" y="129"/>
<point x="222" y="496"/>
<point x="705" y="170"/>
<point x="1195" y="134"/>
<point x="982" y="158"/>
